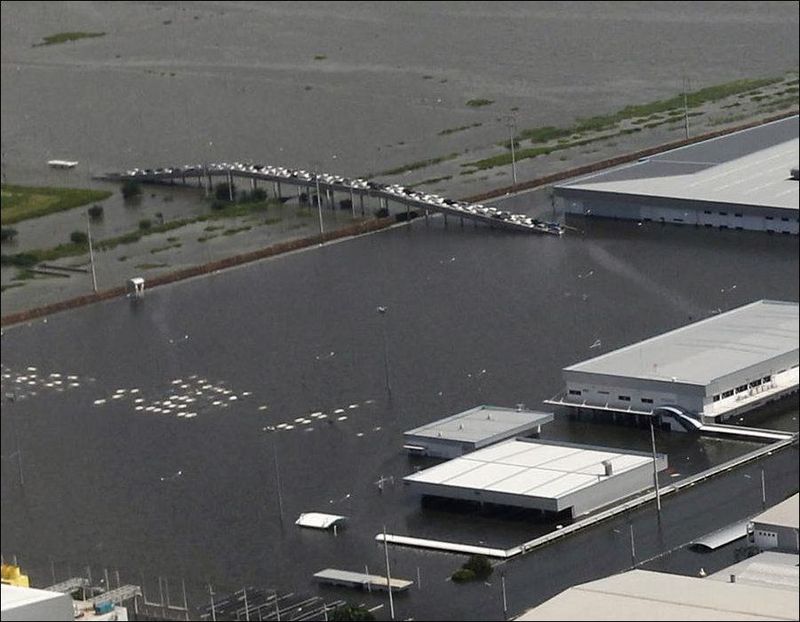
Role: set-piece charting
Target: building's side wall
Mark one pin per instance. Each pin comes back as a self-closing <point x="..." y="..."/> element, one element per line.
<point x="610" y="489"/>
<point x="676" y="211"/>
<point x="774" y="537"/>
<point x="610" y="391"/>
<point x="440" y="448"/>
<point x="56" y="608"/>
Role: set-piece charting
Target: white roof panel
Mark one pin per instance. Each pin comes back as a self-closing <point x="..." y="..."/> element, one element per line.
<point x="712" y="348"/>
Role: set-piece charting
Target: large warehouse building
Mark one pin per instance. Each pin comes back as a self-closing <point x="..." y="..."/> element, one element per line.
<point x="712" y="369"/>
<point x="738" y="181"/>
<point x="549" y="476"/>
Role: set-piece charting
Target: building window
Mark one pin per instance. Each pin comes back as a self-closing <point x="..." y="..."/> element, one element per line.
<point x="755" y="383"/>
<point x="574" y="392"/>
<point x="770" y="218"/>
<point x="625" y="398"/>
<point x="723" y="213"/>
<point x="647" y="400"/>
<point x="727" y="394"/>
<point x="766" y="379"/>
<point x="738" y="215"/>
<point x="708" y="211"/>
<point x="785" y="219"/>
<point x="741" y="387"/>
<point x="716" y="398"/>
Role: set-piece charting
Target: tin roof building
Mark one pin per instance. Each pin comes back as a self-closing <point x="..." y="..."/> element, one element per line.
<point x="712" y="369"/>
<point x="742" y="180"/>
<point x="545" y="475"/>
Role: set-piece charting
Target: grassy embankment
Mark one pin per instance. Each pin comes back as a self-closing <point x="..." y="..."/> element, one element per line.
<point x="23" y="202"/>
<point x="647" y="115"/>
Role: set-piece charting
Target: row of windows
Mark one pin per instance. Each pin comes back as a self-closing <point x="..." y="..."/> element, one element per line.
<point x="742" y="387"/>
<point x="709" y="212"/>
<point x="622" y="398"/>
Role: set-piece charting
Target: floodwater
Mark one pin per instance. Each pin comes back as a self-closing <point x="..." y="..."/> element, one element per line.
<point x="473" y="315"/>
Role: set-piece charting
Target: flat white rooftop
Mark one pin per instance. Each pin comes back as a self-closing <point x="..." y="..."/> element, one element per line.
<point x="768" y="569"/>
<point x="709" y="349"/>
<point x="482" y="424"/>
<point x="785" y="514"/>
<point x="645" y="595"/>
<point x="751" y="167"/>
<point x="536" y="469"/>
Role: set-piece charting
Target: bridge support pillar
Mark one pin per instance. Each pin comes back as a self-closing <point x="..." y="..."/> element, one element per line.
<point x="352" y="203"/>
<point x="279" y="191"/>
<point x="361" y="200"/>
<point x="252" y="183"/>
<point x="408" y="212"/>
<point x="426" y="217"/>
<point x="445" y="218"/>
<point x="230" y="186"/>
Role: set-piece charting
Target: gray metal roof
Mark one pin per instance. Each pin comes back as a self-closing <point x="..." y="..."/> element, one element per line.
<point x="751" y="167"/>
<point x="770" y="569"/>
<point x="482" y="423"/>
<point x="785" y="514"/>
<point x="709" y="349"/>
<point x="544" y="469"/>
<point x="645" y="595"/>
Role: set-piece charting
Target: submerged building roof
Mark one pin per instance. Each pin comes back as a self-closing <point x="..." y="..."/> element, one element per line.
<point x="482" y="424"/>
<point x="542" y="469"/>
<point x="709" y="349"/>
<point x="751" y="167"/>
<point x="645" y="595"/>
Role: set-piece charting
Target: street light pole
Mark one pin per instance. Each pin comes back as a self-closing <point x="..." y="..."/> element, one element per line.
<point x="382" y="312"/>
<point x="388" y="574"/>
<point x="655" y="467"/>
<point x="685" y="106"/>
<point x="273" y="431"/>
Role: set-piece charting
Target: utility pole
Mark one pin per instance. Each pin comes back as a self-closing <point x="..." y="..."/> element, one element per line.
<point x="273" y="431"/>
<point x="505" y="600"/>
<point x="382" y="312"/>
<point x="763" y="490"/>
<point x="319" y="209"/>
<point x="511" y="122"/>
<point x="686" y="106"/>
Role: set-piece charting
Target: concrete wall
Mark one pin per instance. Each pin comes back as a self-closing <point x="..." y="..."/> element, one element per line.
<point x="675" y="211"/>
<point x="53" y="607"/>
<point x="439" y="448"/>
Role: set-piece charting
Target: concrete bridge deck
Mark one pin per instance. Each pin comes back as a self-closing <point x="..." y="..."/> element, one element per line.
<point x="329" y="185"/>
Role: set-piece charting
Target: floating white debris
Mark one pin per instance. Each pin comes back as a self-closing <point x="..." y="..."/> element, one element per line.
<point x="120" y="391"/>
<point x="376" y="429"/>
<point x="184" y="386"/>
<point x="316" y="414"/>
<point x="289" y="427"/>
<point x="309" y="429"/>
<point x="369" y="402"/>
<point x="98" y="402"/>
<point x="246" y="393"/>
<point x="216" y="402"/>
<point x="48" y="384"/>
<point x="55" y="375"/>
<point x="353" y="406"/>
<point x="72" y="377"/>
<point x="139" y="408"/>
<point x="342" y="418"/>
<point x="281" y="426"/>
<point x="181" y="414"/>
<point x="338" y="410"/>
<point x="74" y="384"/>
<point x="157" y="410"/>
<point x="262" y="407"/>
<point x="232" y="398"/>
<point x="178" y="381"/>
<point x="299" y="419"/>
<point x="150" y="408"/>
<point x="31" y="369"/>
<point x="360" y="434"/>
<point x="134" y="390"/>
<point x="182" y="406"/>
<point x="54" y="382"/>
<point x="190" y="415"/>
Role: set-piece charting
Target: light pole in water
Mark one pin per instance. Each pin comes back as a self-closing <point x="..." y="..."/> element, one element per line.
<point x="382" y="312"/>
<point x="273" y="431"/>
